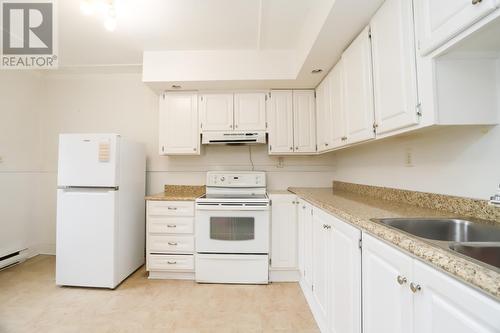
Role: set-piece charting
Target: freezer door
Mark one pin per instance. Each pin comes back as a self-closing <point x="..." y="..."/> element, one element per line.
<point x="86" y="237"/>
<point x="88" y="160"/>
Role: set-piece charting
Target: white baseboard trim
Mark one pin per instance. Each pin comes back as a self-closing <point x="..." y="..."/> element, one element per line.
<point x="49" y="249"/>
<point x="313" y="305"/>
<point x="171" y="275"/>
<point x="289" y="275"/>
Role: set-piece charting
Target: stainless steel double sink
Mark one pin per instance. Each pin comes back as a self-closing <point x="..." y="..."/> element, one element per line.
<point x="474" y="240"/>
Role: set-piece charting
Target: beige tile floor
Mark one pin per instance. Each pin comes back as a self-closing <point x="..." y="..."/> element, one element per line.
<point x="31" y="302"/>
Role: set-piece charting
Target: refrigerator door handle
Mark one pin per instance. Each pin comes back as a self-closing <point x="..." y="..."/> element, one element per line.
<point x="110" y="188"/>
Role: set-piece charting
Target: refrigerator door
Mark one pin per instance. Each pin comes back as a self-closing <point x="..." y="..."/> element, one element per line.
<point x="88" y="160"/>
<point x="86" y="237"/>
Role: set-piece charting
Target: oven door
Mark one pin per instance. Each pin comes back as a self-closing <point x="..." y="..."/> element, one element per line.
<point x="229" y="230"/>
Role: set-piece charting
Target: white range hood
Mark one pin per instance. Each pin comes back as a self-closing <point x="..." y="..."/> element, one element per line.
<point x="233" y="138"/>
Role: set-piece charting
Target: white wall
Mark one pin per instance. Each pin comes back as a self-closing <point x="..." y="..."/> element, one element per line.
<point x="462" y="161"/>
<point x="121" y="103"/>
<point x="20" y="96"/>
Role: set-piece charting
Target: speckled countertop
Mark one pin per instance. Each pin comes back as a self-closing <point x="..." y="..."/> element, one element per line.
<point x="357" y="209"/>
<point x="178" y="193"/>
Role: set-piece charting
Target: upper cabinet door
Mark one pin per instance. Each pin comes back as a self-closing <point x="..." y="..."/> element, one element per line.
<point x="394" y="69"/>
<point x="323" y="116"/>
<point x="338" y="127"/>
<point x="444" y="304"/>
<point x="216" y="112"/>
<point x="250" y="111"/>
<point x="439" y="21"/>
<point x="280" y="117"/>
<point x="304" y="121"/>
<point x="358" y="89"/>
<point x="179" y="132"/>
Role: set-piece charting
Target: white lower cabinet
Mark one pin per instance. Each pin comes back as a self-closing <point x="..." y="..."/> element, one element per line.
<point x="331" y="278"/>
<point x="402" y="294"/>
<point x="170" y="239"/>
<point x="284" y="238"/>
<point x="386" y="297"/>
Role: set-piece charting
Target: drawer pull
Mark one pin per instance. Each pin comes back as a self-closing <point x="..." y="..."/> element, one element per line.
<point x="171" y="262"/>
<point x="475" y="2"/>
<point x="172" y="243"/>
<point x="171" y="225"/>
<point x="172" y="208"/>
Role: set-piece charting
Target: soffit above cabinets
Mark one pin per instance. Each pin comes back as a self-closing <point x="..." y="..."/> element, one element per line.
<point x="326" y="29"/>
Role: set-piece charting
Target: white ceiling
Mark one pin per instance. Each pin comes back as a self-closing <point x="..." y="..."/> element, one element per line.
<point x="152" y="25"/>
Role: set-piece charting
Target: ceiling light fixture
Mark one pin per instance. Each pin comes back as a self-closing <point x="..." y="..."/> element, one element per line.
<point x="106" y="9"/>
<point x="316" y="71"/>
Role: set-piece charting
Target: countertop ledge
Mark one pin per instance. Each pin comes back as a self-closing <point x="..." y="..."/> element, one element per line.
<point x="178" y="193"/>
<point x="357" y="209"/>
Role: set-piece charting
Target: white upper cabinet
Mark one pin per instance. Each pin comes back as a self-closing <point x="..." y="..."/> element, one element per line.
<point x="250" y="111"/>
<point x="394" y="66"/>
<point x="323" y="116"/>
<point x="386" y="299"/>
<point x="338" y="128"/>
<point x="444" y="19"/>
<point x="358" y="89"/>
<point x="304" y="120"/>
<point x="283" y="231"/>
<point x="280" y="117"/>
<point x="178" y="130"/>
<point x="216" y="111"/>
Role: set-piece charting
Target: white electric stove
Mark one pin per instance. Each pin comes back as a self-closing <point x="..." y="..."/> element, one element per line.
<point x="232" y="229"/>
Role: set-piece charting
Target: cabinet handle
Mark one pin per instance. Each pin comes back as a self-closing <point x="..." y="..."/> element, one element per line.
<point x="475" y="2"/>
<point x="235" y="126"/>
<point x="291" y="148"/>
<point x="172" y="243"/>
<point x="296" y="148"/>
<point x="303" y="207"/>
<point x="171" y="225"/>
<point x="171" y="262"/>
<point x="172" y="208"/>
<point x="194" y="149"/>
<point x="230" y="126"/>
<point x="401" y="279"/>
<point x="326" y="144"/>
<point x="415" y="287"/>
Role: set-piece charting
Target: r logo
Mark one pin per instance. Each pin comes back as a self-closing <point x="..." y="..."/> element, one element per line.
<point x="27" y="28"/>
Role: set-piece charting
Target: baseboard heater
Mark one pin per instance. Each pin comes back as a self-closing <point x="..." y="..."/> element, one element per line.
<point x="12" y="259"/>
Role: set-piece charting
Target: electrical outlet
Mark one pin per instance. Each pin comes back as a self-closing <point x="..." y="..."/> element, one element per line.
<point x="408" y="157"/>
<point x="281" y="162"/>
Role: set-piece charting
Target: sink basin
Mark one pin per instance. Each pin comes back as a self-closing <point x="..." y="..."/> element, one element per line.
<point x="486" y="253"/>
<point x="451" y="230"/>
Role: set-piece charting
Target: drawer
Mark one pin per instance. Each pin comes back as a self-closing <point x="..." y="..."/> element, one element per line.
<point x="170" y="225"/>
<point x="171" y="208"/>
<point x="167" y="262"/>
<point x="170" y="243"/>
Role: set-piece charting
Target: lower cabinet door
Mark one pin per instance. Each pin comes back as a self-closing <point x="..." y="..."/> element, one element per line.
<point x="387" y="300"/>
<point x="444" y="304"/>
<point x="306" y="217"/>
<point x="345" y="279"/>
<point x="321" y="261"/>
<point x="283" y="231"/>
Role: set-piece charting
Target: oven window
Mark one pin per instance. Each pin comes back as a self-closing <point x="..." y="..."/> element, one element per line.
<point x="232" y="228"/>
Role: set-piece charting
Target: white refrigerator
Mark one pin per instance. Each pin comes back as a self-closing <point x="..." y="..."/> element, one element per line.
<point x="100" y="209"/>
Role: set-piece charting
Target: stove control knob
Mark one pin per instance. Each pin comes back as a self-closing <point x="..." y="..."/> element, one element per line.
<point x="222" y="178"/>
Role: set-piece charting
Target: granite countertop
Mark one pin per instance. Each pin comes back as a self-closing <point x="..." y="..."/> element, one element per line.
<point x="178" y="193"/>
<point x="357" y="209"/>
